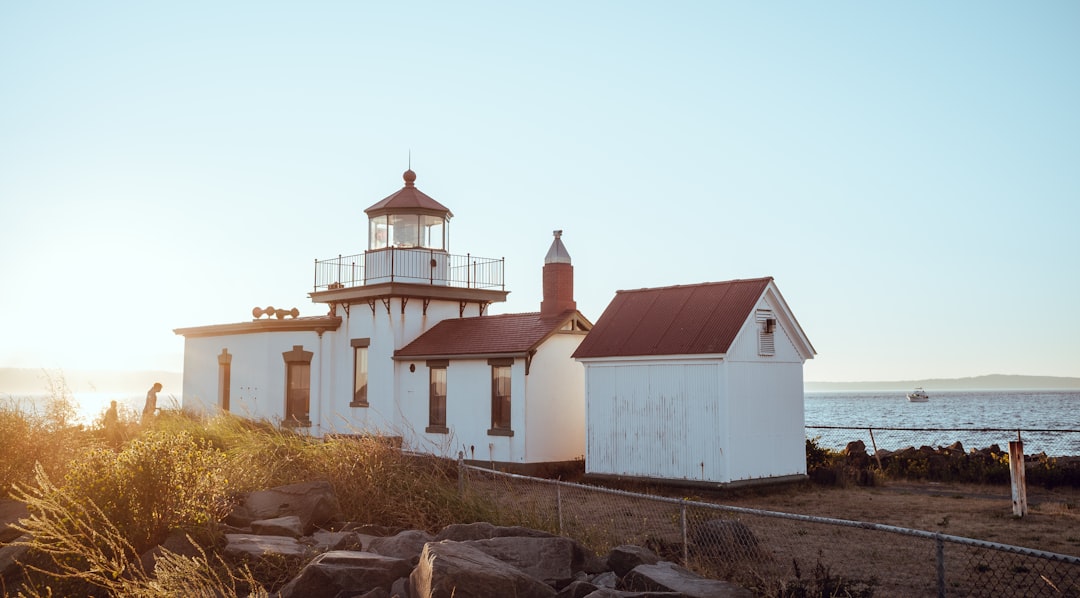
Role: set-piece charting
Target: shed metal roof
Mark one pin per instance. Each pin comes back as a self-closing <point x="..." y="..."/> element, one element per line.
<point x="677" y="320"/>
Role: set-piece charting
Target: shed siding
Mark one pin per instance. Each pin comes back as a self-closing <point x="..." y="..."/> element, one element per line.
<point x="656" y="419"/>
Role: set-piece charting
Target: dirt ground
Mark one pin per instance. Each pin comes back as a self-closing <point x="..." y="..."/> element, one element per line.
<point x="973" y="511"/>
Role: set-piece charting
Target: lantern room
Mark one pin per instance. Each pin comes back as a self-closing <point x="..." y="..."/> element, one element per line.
<point x="408" y="219"/>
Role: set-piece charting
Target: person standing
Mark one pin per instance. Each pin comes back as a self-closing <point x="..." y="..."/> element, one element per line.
<point x="112" y="425"/>
<point x="151" y="403"/>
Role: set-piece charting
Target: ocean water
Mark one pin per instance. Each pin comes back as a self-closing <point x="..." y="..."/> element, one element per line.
<point x="1029" y="412"/>
<point x="89" y="406"/>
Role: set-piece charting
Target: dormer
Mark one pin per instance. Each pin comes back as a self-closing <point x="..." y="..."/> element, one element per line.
<point x="407" y="219"/>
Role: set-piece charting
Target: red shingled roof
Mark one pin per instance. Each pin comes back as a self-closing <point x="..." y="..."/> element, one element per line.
<point x="678" y="320"/>
<point x="409" y="199"/>
<point x="484" y="335"/>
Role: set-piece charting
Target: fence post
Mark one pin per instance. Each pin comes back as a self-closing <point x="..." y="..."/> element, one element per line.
<point x="558" y="503"/>
<point x="685" y="544"/>
<point x="873" y="443"/>
<point x="1018" y="477"/>
<point x="940" y="566"/>
<point x="461" y="473"/>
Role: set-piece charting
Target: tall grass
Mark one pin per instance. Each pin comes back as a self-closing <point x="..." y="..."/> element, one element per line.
<point x="96" y="508"/>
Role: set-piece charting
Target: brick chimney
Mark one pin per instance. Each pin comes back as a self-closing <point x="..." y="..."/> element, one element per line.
<point x="558" y="280"/>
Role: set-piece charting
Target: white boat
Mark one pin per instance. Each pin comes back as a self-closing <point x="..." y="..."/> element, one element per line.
<point x="918" y="396"/>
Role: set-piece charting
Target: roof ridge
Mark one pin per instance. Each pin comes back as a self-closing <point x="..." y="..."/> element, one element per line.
<point x="699" y="284"/>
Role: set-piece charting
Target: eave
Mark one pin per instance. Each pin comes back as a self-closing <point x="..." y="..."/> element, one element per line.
<point x="317" y="324"/>
<point x="371" y="292"/>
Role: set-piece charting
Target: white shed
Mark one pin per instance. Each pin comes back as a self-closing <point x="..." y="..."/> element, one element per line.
<point x="696" y="383"/>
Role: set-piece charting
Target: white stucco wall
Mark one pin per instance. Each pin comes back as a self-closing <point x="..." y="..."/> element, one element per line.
<point x="555" y="404"/>
<point x="547" y="408"/>
<point x="257" y="390"/>
<point x="387" y="331"/>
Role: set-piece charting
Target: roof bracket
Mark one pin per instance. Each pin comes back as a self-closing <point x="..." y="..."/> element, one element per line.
<point x="528" y="360"/>
<point x="386" y="304"/>
<point x="347" y="307"/>
<point x="482" y="305"/>
<point x="404" y="302"/>
<point x="371" y="304"/>
<point x="427" y="300"/>
<point x="461" y="308"/>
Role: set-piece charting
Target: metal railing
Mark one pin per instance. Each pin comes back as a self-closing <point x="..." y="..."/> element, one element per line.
<point x="412" y="265"/>
<point x="774" y="553"/>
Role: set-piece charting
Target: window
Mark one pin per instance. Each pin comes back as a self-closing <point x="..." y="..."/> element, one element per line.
<point x="297" y="386"/>
<point x="224" y="378"/>
<point x="766" y="322"/>
<point x="360" y="372"/>
<point x="437" y="397"/>
<point x="500" y="397"/>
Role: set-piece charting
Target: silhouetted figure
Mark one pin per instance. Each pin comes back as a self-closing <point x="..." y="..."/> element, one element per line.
<point x="151" y="403"/>
<point x="112" y="425"/>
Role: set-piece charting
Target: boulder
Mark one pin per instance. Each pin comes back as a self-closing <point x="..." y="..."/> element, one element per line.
<point x="623" y="558"/>
<point x="457" y="569"/>
<point x="577" y="589"/>
<point x="610" y="593"/>
<point x="461" y="532"/>
<point x="176" y="542"/>
<point x="324" y="540"/>
<point x="724" y="539"/>
<point x="11" y="555"/>
<point x="345" y="573"/>
<point x="253" y="546"/>
<point x="551" y="560"/>
<point x="669" y="577"/>
<point x="11" y="511"/>
<point x="289" y="525"/>
<point x="313" y="502"/>
<point x="407" y="545"/>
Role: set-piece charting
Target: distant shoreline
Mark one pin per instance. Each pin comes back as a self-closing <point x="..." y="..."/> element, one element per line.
<point x="988" y="382"/>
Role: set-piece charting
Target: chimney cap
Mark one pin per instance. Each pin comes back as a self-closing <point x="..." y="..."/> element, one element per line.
<point x="557" y="253"/>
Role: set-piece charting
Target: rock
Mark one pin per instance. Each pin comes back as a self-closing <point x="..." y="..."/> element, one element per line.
<point x="669" y="577"/>
<point x="377" y="593"/>
<point x="725" y="539"/>
<point x="400" y="589"/>
<point x="324" y="540"/>
<point x="345" y="573"/>
<point x="278" y="526"/>
<point x="313" y="502"/>
<point x="175" y="542"/>
<point x="577" y="589"/>
<point x="461" y="532"/>
<point x="407" y="545"/>
<point x="11" y="555"/>
<point x="255" y="546"/>
<point x="607" y="579"/>
<point x="623" y="558"/>
<point x="457" y="569"/>
<point x="11" y="511"/>
<point x="610" y="593"/>
<point x="551" y="560"/>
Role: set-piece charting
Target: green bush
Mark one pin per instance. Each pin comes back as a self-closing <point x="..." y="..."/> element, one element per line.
<point x="156" y="483"/>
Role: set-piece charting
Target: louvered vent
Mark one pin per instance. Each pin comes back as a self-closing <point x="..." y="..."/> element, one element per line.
<point x="766" y="326"/>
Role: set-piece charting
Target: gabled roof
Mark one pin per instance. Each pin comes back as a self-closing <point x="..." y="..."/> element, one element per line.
<point x="488" y="335"/>
<point x="678" y="320"/>
<point x="409" y="199"/>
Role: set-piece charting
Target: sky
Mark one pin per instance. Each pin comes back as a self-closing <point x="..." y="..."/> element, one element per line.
<point x="907" y="172"/>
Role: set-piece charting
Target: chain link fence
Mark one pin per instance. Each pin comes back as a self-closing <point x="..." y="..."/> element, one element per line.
<point x="776" y="554"/>
<point x="1052" y="443"/>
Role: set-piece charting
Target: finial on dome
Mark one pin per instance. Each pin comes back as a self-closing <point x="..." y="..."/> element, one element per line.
<point x="410" y="177"/>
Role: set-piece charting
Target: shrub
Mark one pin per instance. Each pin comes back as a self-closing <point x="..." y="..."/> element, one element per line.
<point x="158" y="482"/>
<point x="78" y="548"/>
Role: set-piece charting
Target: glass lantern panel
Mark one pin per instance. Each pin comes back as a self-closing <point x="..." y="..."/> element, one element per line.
<point x="433" y="232"/>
